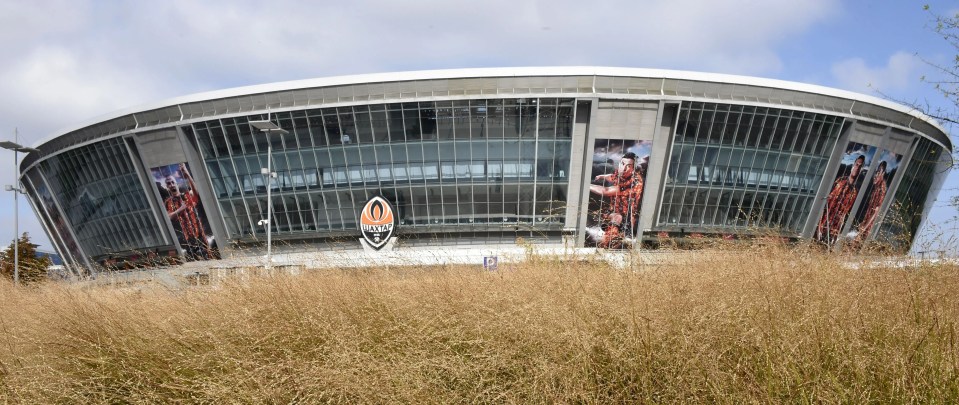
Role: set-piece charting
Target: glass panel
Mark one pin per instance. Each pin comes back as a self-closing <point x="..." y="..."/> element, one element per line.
<point x="509" y="178"/>
<point x="103" y="199"/>
<point x="720" y="150"/>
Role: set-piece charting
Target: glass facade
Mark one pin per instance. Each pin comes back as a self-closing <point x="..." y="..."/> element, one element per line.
<point x="478" y="164"/>
<point x="904" y="216"/>
<point x="52" y="218"/>
<point x="736" y="167"/>
<point x="103" y="199"/>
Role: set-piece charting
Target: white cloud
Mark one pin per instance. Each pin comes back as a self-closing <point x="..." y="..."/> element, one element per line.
<point x="899" y="73"/>
<point x="52" y="86"/>
<point x="26" y="23"/>
<point x="262" y="41"/>
<point x="83" y="59"/>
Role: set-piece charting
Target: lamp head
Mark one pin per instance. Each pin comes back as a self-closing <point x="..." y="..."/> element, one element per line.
<point x="268" y="127"/>
<point x="17" y="147"/>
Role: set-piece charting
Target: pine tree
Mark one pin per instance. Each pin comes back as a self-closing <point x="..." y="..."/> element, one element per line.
<point x="33" y="269"/>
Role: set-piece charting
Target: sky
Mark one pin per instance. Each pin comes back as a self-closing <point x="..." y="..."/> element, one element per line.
<point x="68" y="62"/>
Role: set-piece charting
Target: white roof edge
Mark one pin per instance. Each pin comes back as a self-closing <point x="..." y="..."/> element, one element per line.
<point x="499" y="72"/>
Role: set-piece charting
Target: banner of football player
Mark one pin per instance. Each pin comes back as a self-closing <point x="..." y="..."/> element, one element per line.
<point x="185" y="211"/>
<point x="875" y="194"/>
<point x="616" y="187"/>
<point x="844" y="190"/>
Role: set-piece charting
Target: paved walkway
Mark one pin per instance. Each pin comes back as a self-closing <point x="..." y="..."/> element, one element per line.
<point x="203" y="272"/>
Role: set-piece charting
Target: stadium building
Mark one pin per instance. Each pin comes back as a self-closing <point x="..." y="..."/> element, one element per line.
<point x="577" y="156"/>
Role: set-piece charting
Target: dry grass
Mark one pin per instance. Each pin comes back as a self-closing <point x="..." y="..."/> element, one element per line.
<point x="759" y="325"/>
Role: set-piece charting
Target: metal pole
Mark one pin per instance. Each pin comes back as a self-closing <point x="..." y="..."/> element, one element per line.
<point x="16" y="147"/>
<point x="16" y="215"/>
<point x="267" y="127"/>
<point x="269" y="202"/>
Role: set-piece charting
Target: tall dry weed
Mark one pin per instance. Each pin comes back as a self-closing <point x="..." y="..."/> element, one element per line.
<point x="764" y="324"/>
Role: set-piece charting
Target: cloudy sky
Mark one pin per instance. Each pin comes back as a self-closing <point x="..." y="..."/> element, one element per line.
<point x="67" y="62"/>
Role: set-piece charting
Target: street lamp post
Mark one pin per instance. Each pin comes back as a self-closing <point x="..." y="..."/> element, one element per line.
<point x="15" y="147"/>
<point x="268" y="128"/>
<point x="16" y="232"/>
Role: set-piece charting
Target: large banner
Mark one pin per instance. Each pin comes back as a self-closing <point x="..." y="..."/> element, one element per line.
<point x="875" y="194"/>
<point x="616" y="188"/>
<point x="845" y="189"/>
<point x="185" y="211"/>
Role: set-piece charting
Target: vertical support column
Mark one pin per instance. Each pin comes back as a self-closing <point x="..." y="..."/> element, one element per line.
<point x="584" y="110"/>
<point x="658" y="160"/>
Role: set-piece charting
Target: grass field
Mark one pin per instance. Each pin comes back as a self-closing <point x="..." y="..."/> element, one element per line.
<point x="763" y="324"/>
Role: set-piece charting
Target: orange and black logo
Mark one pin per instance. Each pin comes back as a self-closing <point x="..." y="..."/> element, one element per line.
<point x="377" y="222"/>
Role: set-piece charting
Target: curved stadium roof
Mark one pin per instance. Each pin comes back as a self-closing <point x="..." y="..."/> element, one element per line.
<point x="466" y="83"/>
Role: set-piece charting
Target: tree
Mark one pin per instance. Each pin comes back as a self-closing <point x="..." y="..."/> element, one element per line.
<point x="945" y="81"/>
<point x="32" y="268"/>
<point x="948" y="28"/>
<point x="947" y="84"/>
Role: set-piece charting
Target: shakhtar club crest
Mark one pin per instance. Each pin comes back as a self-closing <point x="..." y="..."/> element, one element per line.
<point x="377" y="222"/>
